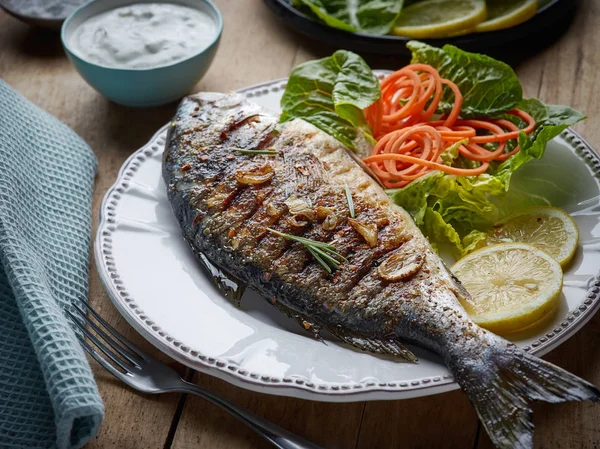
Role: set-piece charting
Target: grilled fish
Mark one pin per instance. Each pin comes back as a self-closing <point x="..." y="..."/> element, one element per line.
<point x="242" y="186"/>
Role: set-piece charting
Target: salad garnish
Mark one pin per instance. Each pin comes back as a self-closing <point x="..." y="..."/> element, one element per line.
<point x="332" y="93"/>
<point x="444" y="134"/>
<point x="410" y="142"/>
<point x="419" y="19"/>
<point x="372" y="17"/>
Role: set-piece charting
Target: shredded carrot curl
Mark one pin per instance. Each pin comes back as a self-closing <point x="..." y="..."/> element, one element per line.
<point x="410" y="141"/>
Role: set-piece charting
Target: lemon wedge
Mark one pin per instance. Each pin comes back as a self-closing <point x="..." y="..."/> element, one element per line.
<point x="547" y="228"/>
<point x="440" y="18"/>
<point x="507" y="13"/>
<point x="512" y="286"/>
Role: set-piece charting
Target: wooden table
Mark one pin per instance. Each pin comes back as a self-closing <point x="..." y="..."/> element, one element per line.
<point x="256" y="47"/>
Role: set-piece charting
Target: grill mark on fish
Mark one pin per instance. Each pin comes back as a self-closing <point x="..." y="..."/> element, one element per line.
<point x="240" y="121"/>
<point x="246" y="224"/>
<point x="355" y="301"/>
<point x="266" y="137"/>
<point x="293" y="261"/>
<point x="294" y="252"/>
<point x="242" y="205"/>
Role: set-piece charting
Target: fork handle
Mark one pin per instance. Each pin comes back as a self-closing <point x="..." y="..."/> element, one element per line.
<point x="278" y="436"/>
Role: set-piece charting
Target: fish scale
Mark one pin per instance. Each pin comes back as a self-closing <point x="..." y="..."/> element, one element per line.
<point x="392" y="290"/>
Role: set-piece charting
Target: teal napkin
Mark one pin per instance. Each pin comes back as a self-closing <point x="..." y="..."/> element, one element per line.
<point x="48" y="396"/>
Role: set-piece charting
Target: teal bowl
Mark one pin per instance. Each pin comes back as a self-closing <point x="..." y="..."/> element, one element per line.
<point x="141" y="87"/>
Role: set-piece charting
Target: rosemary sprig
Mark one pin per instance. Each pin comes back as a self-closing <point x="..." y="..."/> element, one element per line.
<point x="253" y="152"/>
<point x="320" y="260"/>
<point x="350" y="201"/>
<point x="324" y="253"/>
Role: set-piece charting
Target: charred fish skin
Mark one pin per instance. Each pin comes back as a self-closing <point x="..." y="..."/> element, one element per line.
<point x="393" y="288"/>
<point x="227" y="221"/>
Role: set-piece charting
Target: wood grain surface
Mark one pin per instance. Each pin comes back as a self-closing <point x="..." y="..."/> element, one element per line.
<point x="257" y="47"/>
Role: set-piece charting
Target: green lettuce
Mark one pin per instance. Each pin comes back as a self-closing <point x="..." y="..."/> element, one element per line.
<point x="489" y="87"/>
<point x="551" y="120"/>
<point x="371" y="16"/>
<point x="331" y="93"/>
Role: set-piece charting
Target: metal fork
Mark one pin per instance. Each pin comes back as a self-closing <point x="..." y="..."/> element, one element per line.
<point x="144" y="373"/>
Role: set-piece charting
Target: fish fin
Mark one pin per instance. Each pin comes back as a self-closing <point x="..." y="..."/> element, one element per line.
<point x="377" y="345"/>
<point x="457" y="287"/>
<point x="309" y="326"/>
<point x="313" y="328"/>
<point x="231" y="287"/>
<point x="502" y="380"/>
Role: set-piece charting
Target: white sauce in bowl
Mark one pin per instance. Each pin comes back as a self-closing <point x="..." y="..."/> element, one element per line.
<point x="144" y="35"/>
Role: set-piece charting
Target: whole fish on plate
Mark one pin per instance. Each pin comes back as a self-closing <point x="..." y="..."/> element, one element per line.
<point x="287" y="211"/>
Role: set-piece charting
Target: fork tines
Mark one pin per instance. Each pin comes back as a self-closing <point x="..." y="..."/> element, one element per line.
<point x="111" y="343"/>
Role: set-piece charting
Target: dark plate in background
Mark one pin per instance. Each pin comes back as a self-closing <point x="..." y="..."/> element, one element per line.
<point x="51" y="18"/>
<point x="545" y="22"/>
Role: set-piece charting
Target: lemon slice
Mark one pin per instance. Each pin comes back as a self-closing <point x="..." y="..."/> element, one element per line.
<point x="440" y="18"/>
<point x="507" y="13"/>
<point x="547" y="228"/>
<point x="512" y="286"/>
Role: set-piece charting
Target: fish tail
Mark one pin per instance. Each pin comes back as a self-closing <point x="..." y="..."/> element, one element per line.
<point x="502" y="380"/>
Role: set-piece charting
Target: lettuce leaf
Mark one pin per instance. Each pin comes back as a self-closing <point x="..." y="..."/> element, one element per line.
<point x="331" y="93"/>
<point x="449" y="208"/>
<point x="371" y="16"/>
<point x="489" y="87"/>
<point x="551" y="120"/>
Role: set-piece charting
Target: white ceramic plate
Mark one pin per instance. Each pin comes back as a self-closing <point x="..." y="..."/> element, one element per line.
<point x="154" y="280"/>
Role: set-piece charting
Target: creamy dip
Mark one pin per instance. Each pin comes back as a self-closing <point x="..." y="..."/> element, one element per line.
<point x="143" y="35"/>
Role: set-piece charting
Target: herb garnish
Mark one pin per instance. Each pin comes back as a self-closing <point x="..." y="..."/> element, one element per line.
<point x="252" y="152"/>
<point x="350" y="201"/>
<point x="324" y="253"/>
